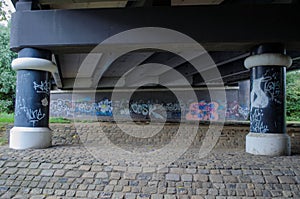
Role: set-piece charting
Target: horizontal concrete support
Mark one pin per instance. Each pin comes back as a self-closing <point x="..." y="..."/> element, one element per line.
<point x="235" y="27"/>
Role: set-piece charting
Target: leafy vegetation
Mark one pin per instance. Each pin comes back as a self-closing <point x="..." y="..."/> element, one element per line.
<point x="7" y="75"/>
<point x="293" y="96"/>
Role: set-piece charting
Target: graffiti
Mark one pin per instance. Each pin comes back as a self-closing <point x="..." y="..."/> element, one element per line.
<point x="236" y="111"/>
<point x="203" y="111"/>
<point x="67" y="108"/>
<point x="33" y="115"/>
<point x="43" y="87"/>
<point x="257" y="124"/>
<point x="103" y="108"/>
<point x="258" y="97"/>
<point x="146" y="109"/>
<point x="45" y="102"/>
<point x="272" y="86"/>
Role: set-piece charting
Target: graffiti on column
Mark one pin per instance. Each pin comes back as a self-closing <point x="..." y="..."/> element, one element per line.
<point x="42" y="87"/>
<point x="33" y="115"/>
<point x="258" y="97"/>
<point x="257" y="124"/>
<point x="266" y="92"/>
<point x="272" y="86"/>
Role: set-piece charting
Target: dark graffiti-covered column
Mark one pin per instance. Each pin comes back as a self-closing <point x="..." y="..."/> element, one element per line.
<point x="31" y="127"/>
<point x="267" y="135"/>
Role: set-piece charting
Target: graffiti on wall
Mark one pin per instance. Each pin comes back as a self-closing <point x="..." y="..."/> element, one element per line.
<point x="68" y="108"/>
<point x="235" y="111"/>
<point x="203" y="111"/>
<point x="145" y="109"/>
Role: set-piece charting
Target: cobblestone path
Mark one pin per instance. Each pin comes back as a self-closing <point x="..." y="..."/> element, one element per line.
<point x="71" y="171"/>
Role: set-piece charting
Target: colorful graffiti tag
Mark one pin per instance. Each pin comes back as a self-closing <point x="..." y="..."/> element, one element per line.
<point x="203" y="111"/>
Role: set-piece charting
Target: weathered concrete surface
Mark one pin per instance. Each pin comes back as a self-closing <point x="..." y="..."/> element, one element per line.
<point x="68" y="170"/>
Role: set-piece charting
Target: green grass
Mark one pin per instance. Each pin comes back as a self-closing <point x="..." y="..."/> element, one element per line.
<point x="60" y="120"/>
<point x="6" y="117"/>
<point x="9" y="118"/>
<point x="3" y="141"/>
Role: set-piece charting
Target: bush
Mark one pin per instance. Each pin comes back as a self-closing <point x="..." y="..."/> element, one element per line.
<point x="7" y="75"/>
<point x="293" y="96"/>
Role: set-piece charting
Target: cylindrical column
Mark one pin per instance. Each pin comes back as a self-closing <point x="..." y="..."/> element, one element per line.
<point x="267" y="135"/>
<point x="31" y="127"/>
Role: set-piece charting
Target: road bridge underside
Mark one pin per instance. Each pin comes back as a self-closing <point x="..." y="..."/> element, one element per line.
<point x="155" y="46"/>
<point x="226" y="32"/>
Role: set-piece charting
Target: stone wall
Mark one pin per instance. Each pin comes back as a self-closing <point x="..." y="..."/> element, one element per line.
<point x="232" y="136"/>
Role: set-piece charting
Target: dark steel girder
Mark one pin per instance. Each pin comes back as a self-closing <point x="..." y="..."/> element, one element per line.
<point x="223" y="28"/>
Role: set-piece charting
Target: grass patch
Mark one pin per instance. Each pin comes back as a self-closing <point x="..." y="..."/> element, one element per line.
<point x="3" y="141"/>
<point x="59" y="120"/>
<point x="6" y="118"/>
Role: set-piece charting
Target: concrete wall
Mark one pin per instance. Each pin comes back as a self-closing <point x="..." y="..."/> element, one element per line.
<point x="153" y="104"/>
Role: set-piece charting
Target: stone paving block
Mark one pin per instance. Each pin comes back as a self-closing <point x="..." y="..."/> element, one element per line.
<point x="48" y="172"/>
<point x="84" y="167"/>
<point x="74" y="174"/>
<point x="118" y="195"/>
<point x="11" y="171"/>
<point x="271" y="179"/>
<point x="81" y="194"/>
<point x="38" y="197"/>
<point x="105" y="195"/>
<point x="102" y="175"/>
<point x="257" y="179"/>
<point x="230" y="179"/>
<point x="197" y="197"/>
<point x="23" y="165"/>
<point x="216" y="178"/>
<point x="130" y="196"/>
<point x="200" y="178"/>
<point x="201" y="191"/>
<point x="115" y="175"/>
<point x="58" y="166"/>
<point x="157" y="196"/>
<point x="143" y="196"/>
<point x="88" y="175"/>
<point x="70" y="193"/>
<point x="187" y="177"/>
<point x="172" y="177"/>
<point x="45" y="166"/>
<point x="168" y="196"/>
<point x="11" y="164"/>
<point x="286" y="179"/>
<point x="129" y="176"/>
<point x="60" y="192"/>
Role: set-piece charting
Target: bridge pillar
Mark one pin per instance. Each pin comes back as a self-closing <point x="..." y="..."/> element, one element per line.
<point x="31" y="126"/>
<point x="267" y="136"/>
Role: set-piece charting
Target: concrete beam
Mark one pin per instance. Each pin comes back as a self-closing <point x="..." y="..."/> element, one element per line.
<point x="235" y="27"/>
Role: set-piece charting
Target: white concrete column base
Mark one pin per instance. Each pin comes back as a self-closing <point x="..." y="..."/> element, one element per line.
<point x="30" y="138"/>
<point x="270" y="144"/>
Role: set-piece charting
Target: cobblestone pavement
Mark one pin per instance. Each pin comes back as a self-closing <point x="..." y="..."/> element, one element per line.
<point x="70" y="171"/>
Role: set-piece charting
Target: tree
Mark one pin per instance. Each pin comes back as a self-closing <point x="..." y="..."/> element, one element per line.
<point x="293" y="95"/>
<point x="7" y="75"/>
